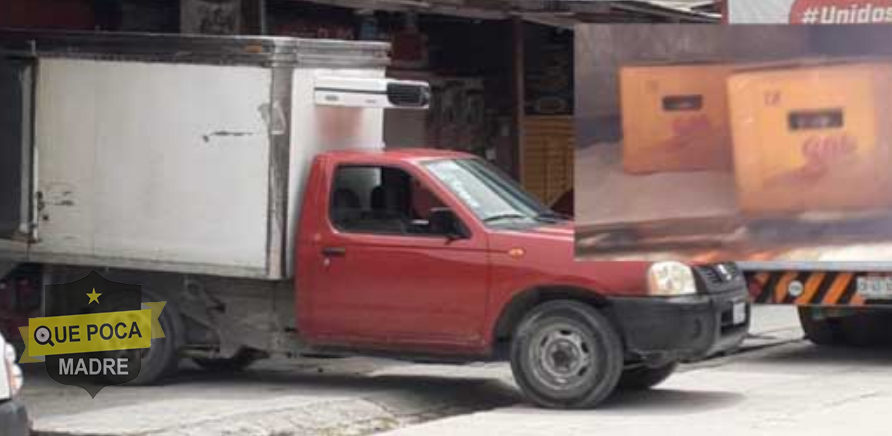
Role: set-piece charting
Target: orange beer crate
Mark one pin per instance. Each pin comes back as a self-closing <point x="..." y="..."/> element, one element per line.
<point x="675" y="117"/>
<point x="812" y="137"/>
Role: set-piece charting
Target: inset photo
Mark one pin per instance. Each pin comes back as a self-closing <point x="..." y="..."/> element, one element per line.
<point x="713" y="143"/>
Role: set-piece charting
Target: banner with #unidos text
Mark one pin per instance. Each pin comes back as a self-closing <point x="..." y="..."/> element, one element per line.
<point x="809" y="11"/>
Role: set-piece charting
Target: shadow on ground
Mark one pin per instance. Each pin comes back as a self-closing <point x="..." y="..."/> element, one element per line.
<point x="402" y="395"/>
<point x="807" y="354"/>
<point x="650" y="403"/>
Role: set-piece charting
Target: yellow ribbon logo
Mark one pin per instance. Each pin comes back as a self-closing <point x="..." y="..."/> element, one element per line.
<point x="105" y="331"/>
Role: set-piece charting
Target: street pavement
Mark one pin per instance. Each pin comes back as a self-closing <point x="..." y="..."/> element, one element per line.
<point x="782" y="386"/>
<point x="329" y="397"/>
<point x="790" y="389"/>
<point x="362" y="396"/>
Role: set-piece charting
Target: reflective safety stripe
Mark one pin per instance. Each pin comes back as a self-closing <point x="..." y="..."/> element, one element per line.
<point x="811" y="288"/>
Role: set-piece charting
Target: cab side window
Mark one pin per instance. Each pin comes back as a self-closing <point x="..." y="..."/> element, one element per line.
<point x="383" y="200"/>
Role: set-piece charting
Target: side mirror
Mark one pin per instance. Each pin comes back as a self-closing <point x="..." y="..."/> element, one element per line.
<point x="443" y="221"/>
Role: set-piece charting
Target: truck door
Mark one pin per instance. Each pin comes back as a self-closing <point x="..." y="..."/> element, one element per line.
<point x="15" y="154"/>
<point x="382" y="277"/>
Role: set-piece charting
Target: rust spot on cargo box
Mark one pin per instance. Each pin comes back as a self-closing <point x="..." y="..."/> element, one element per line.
<point x="225" y="133"/>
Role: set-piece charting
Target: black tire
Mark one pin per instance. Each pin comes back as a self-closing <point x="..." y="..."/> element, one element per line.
<point x="867" y="329"/>
<point x="643" y="377"/>
<point x="549" y="348"/>
<point x="161" y="359"/>
<point x="241" y="360"/>
<point x="862" y="329"/>
<point x="826" y="331"/>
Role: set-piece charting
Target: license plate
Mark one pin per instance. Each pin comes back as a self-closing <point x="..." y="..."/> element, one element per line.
<point x="738" y="313"/>
<point x="875" y="287"/>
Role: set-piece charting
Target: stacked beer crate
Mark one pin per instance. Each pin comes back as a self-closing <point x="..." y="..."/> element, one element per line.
<point x="802" y="135"/>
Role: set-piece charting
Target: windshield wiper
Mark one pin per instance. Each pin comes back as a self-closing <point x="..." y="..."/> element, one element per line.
<point x="503" y="216"/>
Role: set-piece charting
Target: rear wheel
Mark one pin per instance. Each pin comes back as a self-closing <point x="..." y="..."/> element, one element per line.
<point x="643" y="377"/>
<point x="160" y="360"/>
<point x="565" y="354"/>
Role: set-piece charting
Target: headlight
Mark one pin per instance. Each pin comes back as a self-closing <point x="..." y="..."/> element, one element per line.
<point x="670" y="279"/>
<point x="13" y="372"/>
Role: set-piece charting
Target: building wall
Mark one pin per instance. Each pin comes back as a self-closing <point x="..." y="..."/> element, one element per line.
<point x="48" y="14"/>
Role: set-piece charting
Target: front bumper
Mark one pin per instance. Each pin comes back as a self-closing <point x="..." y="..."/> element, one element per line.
<point x="14" y="419"/>
<point x="658" y="330"/>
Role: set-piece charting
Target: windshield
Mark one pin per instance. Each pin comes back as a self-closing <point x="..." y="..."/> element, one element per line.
<point x="491" y="195"/>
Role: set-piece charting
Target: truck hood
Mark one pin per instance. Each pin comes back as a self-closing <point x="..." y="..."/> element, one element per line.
<point x="549" y="252"/>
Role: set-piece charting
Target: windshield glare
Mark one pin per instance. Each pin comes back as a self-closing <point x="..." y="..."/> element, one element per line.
<point x="491" y="196"/>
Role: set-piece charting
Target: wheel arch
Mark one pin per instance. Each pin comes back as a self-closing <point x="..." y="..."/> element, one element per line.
<point x="522" y="302"/>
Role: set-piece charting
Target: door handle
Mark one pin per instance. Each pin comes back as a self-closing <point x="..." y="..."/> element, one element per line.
<point x="334" y="251"/>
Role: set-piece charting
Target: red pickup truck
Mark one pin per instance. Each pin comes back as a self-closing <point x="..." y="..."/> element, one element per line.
<point x="436" y="252"/>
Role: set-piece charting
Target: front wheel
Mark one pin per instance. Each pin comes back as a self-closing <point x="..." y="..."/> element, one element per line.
<point x="565" y="354"/>
<point x="643" y="377"/>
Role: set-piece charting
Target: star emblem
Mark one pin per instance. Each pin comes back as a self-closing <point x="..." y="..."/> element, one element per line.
<point x="94" y="296"/>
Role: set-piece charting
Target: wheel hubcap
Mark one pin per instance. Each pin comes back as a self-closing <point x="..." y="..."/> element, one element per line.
<point x="561" y="357"/>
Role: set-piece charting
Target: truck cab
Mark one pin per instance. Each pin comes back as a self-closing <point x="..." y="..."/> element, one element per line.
<point x="436" y="253"/>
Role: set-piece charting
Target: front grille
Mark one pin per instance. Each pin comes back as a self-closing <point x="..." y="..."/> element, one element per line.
<point x="732" y="267"/>
<point x="714" y="280"/>
<point x="711" y="275"/>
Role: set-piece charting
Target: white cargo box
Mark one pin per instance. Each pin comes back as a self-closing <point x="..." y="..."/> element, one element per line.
<point x="174" y="153"/>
